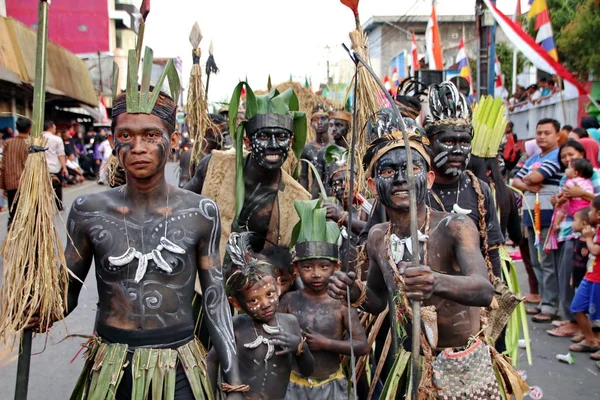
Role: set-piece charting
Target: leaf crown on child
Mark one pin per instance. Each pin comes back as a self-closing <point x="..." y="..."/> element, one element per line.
<point x="248" y="268"/>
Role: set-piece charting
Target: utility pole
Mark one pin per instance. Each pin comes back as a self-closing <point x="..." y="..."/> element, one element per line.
<point x="492" y="57"/>
<point x="483" y="60"/>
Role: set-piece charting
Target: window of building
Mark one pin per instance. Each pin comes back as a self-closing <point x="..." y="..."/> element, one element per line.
<point x="82" y="28"/>
<point x="119" y="39"/>
<point x="455" y="35"/>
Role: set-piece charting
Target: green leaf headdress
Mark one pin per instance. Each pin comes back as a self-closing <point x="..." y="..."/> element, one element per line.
<point x="140" y="99"/>
<point x="314" y="236"/>
<point x="270" y="110"/>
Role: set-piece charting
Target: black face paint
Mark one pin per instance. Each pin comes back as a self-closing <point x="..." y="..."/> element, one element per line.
<point x="391" y="179"/>
<point x="338" y="129"/>
<point x="451" y="152"/>
<point x="125" y="142"/>
<point x="270" y="147"/>
<point x="320" y="123"/>
<point x="338" y="186"/>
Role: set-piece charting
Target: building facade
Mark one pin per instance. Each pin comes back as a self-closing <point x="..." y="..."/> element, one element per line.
<point x="390" y="39"/>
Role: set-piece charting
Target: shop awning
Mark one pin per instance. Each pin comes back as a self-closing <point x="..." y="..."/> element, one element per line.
<point x="66" y="74"/>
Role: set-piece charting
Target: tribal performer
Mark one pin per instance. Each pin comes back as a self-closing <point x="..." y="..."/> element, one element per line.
<point x="149" y="241"/>
<point x="263" y="200"/>
<point x="339" y="126"/>
<point x="457" y="190"/>
<point x="453" y="280"/>
<point x="320" y="123"/>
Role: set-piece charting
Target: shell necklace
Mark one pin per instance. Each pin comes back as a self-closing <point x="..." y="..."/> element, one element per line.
<point x="143" y="258"/>
<point x="260" y="339"/>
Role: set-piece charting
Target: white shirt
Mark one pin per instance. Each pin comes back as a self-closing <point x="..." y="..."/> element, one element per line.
<point x="105" y="149"/>
<point x="56" y="149"/>
<point x="73" y="164"/>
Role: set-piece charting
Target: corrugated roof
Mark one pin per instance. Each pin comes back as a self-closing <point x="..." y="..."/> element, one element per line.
<point x="66" y="74"/>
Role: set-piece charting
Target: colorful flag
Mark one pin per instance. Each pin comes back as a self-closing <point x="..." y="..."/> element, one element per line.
<point x="387" y="84"/>
<point x="498" y="73"/>
<point x="539" y="10"/>
<point x="306" y="85"/>
<point x="463" y="62"/>
<point x="433" y="42"/>
<point x="415" y="54"/>
<point x="518" y="13"/>
<point x="537" y="55"/>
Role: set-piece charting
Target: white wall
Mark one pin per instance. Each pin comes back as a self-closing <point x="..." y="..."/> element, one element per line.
<point x="2" y="8"/>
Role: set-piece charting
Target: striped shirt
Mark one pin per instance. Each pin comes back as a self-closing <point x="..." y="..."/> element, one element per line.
<point x="547" y="165"/>
<point x="13" y="162"/>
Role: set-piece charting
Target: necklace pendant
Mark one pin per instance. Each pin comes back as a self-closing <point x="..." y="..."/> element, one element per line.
<point x="160" y="261"/>
<point x="459" y="210"/>
<point x="141" y="269"/>
<point x="271" y="329"/>
<point x="124" y="259"/>
<point x="170" y="246"/>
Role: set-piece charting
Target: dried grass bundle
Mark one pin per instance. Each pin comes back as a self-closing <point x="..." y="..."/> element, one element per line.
<point x="35" y="276"/>
<point x="369" y="100"/>
<point x="196" y="108"/>
<point x="307" y="99"/>
<point x="111" y="167"/>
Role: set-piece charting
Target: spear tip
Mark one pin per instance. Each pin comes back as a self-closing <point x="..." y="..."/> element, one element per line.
<point x="210" y="48"/>
<point x="145" y="9"/>
<point x="195" y="35"/>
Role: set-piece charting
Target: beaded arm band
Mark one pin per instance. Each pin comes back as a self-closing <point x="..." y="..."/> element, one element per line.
<point x="361" y="299"/>
<point x="227" y="388"/>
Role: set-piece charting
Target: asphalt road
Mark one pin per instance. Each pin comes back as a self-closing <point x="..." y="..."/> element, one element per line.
<point x="55" y="369"/>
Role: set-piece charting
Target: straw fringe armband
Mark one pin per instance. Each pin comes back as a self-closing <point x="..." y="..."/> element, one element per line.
<point x="300" y="350"/>
<point x="361" y="299"/>
<point x="227" y="388"/>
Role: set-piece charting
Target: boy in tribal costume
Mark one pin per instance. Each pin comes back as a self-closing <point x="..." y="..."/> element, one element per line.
<point x="149" y="241"/>
<point x="251" y="189"/>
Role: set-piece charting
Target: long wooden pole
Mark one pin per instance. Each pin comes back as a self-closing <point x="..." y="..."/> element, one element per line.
<point x="39" y="101"/>
<point x="415" y="368"/>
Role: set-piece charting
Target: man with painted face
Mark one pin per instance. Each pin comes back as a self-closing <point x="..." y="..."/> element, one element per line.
<point x="449" y="246"/>
<point x="149" y="241"/>
<point x="320" y="123"/>
<point x="456" y="190"/>
<point x="252" y="191"/>
<point x="339" y="126"/>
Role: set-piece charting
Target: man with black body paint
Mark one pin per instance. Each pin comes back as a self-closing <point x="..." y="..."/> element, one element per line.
<point x="460" y="287"/>
<point x="339" y="126"/>
<point x="268" y="208"/>
<point x="320" y="123"/>
<point x="151" y="307"/>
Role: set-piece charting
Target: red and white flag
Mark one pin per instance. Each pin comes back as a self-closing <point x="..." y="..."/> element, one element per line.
<point x="433" y="42"/>
<point x="415" y="53"/>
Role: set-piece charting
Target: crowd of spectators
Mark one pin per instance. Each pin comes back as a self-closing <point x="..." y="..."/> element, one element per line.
<point x="73" y="155"/>
<point x="546" y="91"/>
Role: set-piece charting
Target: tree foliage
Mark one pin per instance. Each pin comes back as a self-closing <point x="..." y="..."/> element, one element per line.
<point x="575" y="25"/>
<point x="578" y="40"/>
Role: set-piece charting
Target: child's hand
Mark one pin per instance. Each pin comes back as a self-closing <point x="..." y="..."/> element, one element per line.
<point x="316" y="341"/>
<point x="587" y="232"/>
<point x="556" y="227"/>
<point x="287" y="341"/>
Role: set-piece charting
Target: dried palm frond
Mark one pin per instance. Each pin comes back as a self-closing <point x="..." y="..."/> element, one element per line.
<point x="369" y="100"/>
<point x="35" y="276"/>
<point x="111" y="167"/>
<point x="196" y="108"/>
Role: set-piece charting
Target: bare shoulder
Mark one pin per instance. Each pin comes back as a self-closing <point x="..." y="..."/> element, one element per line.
<point x="451" y="224"/>
<point x="288" y="320"/>
<point x="97" y="202"/>
<point x="289" y="299"/>
<point x="377" y="234"/>
<point x="203" y="206"/>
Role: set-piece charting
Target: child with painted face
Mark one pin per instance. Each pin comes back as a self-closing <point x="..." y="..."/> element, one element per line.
<point x="268" y="342"/>
<point x="324" y="320"/>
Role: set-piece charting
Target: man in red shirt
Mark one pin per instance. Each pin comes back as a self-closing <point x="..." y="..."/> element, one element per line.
<point x="587" y="296"/>
<point x="13" y="163"/>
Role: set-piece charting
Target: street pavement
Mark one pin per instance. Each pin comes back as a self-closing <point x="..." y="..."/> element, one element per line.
<point x="56" y="364"/>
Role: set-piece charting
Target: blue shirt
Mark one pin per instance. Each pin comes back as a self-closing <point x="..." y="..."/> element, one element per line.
<point x="547" y="165"/>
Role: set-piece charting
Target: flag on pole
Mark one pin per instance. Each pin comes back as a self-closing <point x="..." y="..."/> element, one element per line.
<point x="539" y="10"/>
<point x="415" y="54"/>
<point x="395" y="81"/>
<point x="498" y="73"/>
<point x="433" y="42"/>
<point x="387" y="83"/>
<point x="463" y="62"/>
<point x="537" y="55"/>
<point x="518" y="13"/>
<point x="306" y="84"/>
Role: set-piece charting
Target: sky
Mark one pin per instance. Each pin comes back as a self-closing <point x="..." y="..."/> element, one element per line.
<point x="255" y="38"/>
